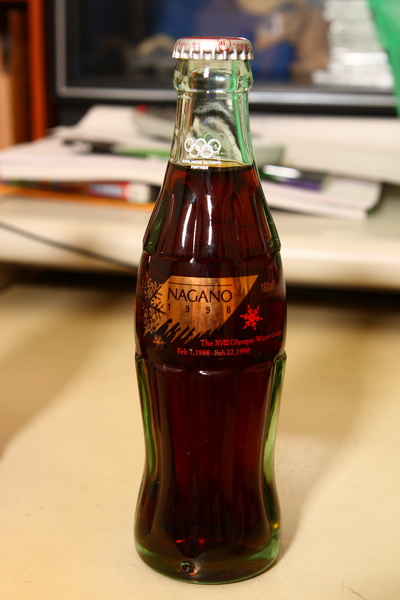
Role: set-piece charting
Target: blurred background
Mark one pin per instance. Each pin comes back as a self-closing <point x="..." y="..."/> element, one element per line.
<point x="315" y="55"/>
<point x="318" y="56"/>
<point x="85" y="84"/>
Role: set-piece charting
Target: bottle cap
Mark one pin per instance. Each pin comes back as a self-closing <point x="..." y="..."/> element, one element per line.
<point x="213" y="48"/>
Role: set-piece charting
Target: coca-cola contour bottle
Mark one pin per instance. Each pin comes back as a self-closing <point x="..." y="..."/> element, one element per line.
<point x="210" y="324"/>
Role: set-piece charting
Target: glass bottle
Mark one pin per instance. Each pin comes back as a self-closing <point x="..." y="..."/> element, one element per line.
<point x="210" y="328"/>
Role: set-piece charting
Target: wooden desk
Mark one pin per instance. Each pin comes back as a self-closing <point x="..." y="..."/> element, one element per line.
<point x="36" y="63"/>
<point x="72" y="452"/>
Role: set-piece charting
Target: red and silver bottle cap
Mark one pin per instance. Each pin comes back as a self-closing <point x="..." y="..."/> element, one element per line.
<point x="213" y="48"/>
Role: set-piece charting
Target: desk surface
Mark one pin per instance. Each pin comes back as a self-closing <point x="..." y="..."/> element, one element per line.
<point x="315" y="250"/>
<point x="72" y="452"/>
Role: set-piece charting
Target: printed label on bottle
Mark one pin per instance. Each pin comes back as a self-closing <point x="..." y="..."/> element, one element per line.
<point x="189" y="307"/>
<point x="211" y="150"/>
<point x="202" y="152"/>
<point x="202" y="147"/>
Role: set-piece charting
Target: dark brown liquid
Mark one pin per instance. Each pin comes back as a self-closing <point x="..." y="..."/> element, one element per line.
<point x="207" y="509"/>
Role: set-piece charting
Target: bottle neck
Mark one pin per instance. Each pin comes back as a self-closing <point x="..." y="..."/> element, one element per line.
<point x="212" y="119"/>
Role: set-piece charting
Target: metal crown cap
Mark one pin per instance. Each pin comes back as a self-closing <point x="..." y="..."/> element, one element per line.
<point x="213" y="48"/>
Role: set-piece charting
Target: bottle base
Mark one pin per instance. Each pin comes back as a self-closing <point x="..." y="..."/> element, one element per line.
<point x="207" y="571"/>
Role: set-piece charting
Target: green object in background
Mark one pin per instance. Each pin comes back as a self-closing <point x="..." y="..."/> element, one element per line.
<point x="387" y="19"/>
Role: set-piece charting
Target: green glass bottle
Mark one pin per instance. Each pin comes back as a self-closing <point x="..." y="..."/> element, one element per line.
<point x="210" y="330"/>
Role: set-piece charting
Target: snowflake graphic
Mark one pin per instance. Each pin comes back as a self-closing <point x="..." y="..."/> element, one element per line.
<point x="159" y="341"/>
<point x="251" y="317"/>
<point x="149" y="302"/>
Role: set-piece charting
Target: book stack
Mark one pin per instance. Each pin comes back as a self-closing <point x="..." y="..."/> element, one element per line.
<point x="118" y="155"/>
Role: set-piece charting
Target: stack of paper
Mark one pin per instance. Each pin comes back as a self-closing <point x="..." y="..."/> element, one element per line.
<point x="339" y="197"/>
<point x="57" y="163"/>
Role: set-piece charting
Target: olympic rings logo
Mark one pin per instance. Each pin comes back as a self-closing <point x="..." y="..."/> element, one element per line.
<point x="202" y="148"/>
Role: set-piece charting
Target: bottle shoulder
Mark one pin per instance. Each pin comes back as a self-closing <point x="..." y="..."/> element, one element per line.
<point x="215" y="213"/>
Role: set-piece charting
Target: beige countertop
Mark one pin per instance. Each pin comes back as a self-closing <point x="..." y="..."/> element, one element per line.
<point x="315" y="250"/>
<point x="72" y="451"/>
